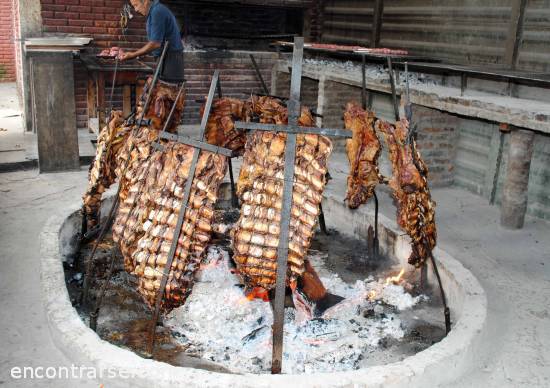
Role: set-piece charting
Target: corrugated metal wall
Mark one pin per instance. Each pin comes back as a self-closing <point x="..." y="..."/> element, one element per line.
<point x="472" y="154"/>
<point x="535" y="50"/>
<point x="458" y="31"/>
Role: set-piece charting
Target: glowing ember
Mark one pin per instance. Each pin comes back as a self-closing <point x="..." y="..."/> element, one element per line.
<point x="371" y="295"/>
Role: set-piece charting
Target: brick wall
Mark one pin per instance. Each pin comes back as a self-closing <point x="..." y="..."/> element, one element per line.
<point x="100" y="20"/>
<point x="238" y="78"/>
<point x="7" y="49"/>
<point x="309" y="90"/>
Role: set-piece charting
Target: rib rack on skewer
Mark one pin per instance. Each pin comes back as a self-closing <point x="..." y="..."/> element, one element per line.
<point x="260" y="187"/>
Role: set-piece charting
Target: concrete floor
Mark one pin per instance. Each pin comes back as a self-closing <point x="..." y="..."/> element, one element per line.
<point x="18" y="146"/>
<point x="512" y="266"/>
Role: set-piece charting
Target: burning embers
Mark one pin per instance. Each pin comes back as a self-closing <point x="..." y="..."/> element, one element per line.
<point x="219" y="324"/>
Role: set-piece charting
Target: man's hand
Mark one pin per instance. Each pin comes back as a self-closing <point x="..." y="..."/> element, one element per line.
<point x="126" y="56"/>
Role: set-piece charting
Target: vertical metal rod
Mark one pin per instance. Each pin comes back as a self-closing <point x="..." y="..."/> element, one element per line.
<point x="110" y="217"/>
<point x="282" y="251"/>
<point x="322" y="223"/>
<point x="259" y="74"/>
<point x="446" y="311"/>
<point x="234" y="200"/>
<point x="112" y="91"/>
<point x="363" y="83"/>
<point x="94" y="314"/>
<point x="376" y="244"/>
<point x="407" y="89"/>
<point x="181" y="217"/>
<point x="393" y="91"/>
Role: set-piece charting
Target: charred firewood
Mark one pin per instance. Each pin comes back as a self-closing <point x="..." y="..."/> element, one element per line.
<point x="363" y="150"/>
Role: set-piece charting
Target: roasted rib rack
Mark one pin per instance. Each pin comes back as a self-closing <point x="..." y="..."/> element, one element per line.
<point x="255" y="237"/>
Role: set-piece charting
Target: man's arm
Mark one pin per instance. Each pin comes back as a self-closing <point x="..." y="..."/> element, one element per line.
<point x="147" y="48"/>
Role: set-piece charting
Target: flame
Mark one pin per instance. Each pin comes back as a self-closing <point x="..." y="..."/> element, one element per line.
<point x="395" y="279"/>
<point x="371" y="295"/>
<point x="256" y="292"/>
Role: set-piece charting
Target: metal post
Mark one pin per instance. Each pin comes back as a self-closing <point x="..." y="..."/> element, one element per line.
<point x="259" y="74"/>
<point x="282" y="251"/>
<point x="363" y="83"/>
<point x="393" y="91"/>
<point x="181" y="217"/>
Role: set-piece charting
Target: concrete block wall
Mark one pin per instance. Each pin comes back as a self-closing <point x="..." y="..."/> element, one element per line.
<point x="538" y="203"/>
<point x="7" y="48"/>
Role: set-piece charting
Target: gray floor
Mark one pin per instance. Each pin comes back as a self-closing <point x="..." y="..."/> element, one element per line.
<point x="512" y="266"/>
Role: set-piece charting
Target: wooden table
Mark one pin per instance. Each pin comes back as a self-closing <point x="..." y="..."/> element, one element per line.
<point x="100" y="70"/>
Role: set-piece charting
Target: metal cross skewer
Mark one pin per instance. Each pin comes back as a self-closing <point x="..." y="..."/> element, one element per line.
<point x="94" y="314"/>
<point x="198" y="145"/>
<point x="292" y="129"/>
<point x="114" y="206"/>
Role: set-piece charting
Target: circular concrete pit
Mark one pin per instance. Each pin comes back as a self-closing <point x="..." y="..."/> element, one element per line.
<point x="440" y="363"/>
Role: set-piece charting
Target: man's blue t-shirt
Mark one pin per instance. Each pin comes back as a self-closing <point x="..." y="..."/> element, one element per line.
<point x="161" y="26"/>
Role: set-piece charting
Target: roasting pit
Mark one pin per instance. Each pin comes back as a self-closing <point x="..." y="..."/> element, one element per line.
<point x="393" y="350"/>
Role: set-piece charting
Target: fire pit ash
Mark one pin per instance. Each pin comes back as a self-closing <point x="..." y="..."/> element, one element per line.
<point x="372" y="325"/>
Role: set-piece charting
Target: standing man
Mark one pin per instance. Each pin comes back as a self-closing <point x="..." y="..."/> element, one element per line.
<point x="161" y="26"/>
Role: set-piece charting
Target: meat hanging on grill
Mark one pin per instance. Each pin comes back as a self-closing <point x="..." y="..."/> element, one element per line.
<point x="409" y="184"/>
<point x="101" y="174"/>
<point x="134" y="158"/>
<point x="220" y="129"/>
<point x="255" y="237"/>
<point x="363" y="150"/>
<point x="167" y="173"/>
<point x="114" y="139"/>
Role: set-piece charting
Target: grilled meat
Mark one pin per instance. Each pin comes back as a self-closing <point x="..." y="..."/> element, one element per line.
<point x="101" y="174"/>
<point x="363" y="150"/>
<point x="164" y="185"/>
<point x="260" y="187"/>
<point x="409" y="184"/>
<point x="220" y="129"/>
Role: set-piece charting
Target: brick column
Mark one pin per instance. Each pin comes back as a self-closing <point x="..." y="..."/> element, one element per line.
<point x="514" y="193"/>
